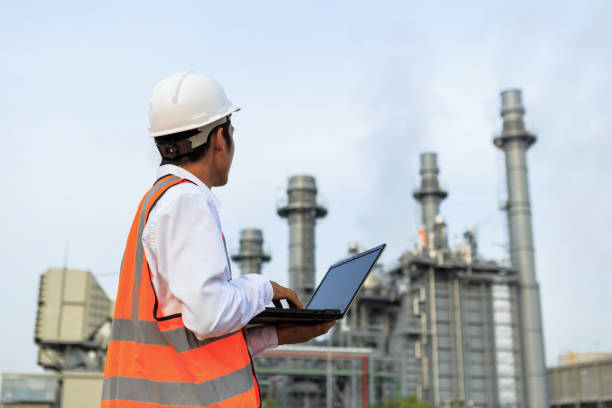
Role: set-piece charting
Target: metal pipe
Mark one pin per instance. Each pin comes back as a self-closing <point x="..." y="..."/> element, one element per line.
<point x="514" y="140"/>
<point x="489" y="358"/>
<point x="353" y="385"/>
<point x="251" y="255"/>
<point x="371" y="381"/>
<point x="364" y="382"/>
<point x="329" y="381"/>
<point x="459" y="340"/>
<point x="434" y="338"/>
<point x="302" y="211"/>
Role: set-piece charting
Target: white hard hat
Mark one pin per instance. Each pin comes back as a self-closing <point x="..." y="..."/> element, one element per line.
<point x="186" y="101"/>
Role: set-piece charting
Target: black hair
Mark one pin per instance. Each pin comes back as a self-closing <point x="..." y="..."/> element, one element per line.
<point x="163" y="142"/>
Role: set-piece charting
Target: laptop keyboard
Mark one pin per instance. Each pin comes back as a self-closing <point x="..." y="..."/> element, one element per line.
<point x="298" y="311"/>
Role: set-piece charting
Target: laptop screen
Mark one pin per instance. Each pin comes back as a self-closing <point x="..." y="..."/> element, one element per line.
<point x="342" y="282"/>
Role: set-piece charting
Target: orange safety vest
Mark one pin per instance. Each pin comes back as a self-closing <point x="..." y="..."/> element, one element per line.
<point x="155" y="361"/>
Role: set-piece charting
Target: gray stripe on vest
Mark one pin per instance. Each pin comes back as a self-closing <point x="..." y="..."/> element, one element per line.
<point x="178" y="393"/>
<point x="147" y="332"/>
<point x="139" y="249"/>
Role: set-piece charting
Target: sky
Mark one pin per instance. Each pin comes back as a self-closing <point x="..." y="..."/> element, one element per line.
<point x="350" y="92"/>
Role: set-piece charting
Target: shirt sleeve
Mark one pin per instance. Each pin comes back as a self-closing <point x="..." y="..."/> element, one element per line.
<point x="190" y="249"/>
<point x="261" y="338"/>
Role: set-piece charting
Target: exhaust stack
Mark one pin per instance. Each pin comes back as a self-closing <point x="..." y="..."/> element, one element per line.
<point x="302" y="211"/>
<point x="251" y="255"/>
<point x="514" y="140"/>
<point x="430" y="195"/>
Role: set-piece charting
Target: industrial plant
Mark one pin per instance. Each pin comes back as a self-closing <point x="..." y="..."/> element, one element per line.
<point x="444" y="324"/>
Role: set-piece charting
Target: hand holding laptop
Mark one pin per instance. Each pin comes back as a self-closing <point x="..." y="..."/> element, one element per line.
<point x="291" y="333"/>
<point x="281" y="292"/>
<point x="332" y="298"/>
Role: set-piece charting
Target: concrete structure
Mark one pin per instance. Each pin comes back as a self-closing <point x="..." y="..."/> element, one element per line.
<point x="251" y="255"/>
<point x="69" y="389"/>
<point x="586" y="383"/>
<point x="514" y="140"/>
<point x="30" y="390"/>
<point x="302" y="210"/>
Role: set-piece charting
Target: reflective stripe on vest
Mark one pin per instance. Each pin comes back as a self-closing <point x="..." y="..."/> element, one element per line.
<point x="155" y="361"/>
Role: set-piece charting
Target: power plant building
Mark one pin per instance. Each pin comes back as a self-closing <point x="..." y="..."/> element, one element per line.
<point x="444" y="324"/>
<point x="458" y="329"/>
<point x="459" y="324"/>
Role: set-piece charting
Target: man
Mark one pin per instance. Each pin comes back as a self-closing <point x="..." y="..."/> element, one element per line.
<point x="178" y="335"/>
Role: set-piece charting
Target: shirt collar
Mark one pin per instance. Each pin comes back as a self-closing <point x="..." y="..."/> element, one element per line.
<point x="184" y="174"/>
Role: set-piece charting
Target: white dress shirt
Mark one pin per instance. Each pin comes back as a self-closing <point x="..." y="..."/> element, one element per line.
<point x="191" y="274"/>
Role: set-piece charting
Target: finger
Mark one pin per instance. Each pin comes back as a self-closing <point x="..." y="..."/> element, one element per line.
<point x="292" y="304"/>
<point x="293" y="301"/>
<point x="277" y="303"/>
<point x="296" y="300"/>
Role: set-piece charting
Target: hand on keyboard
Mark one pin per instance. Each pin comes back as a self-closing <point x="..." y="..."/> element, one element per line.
<point x="281" y="292"/>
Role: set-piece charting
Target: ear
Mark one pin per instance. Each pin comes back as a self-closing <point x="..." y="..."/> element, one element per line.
<point x="219" y="141"/>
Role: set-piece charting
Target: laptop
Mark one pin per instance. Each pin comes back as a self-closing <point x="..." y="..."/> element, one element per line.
<point x="334" y="295"/>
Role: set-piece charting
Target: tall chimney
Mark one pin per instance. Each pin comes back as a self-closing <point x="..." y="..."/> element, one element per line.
<point x="302" y="211"/>
<point x="430" y="194"/>
<point x="251" y="254"/>
<point x="514" y="140"/>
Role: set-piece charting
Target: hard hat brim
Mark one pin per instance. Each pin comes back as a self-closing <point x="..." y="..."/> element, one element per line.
<point x="195" y="124"/>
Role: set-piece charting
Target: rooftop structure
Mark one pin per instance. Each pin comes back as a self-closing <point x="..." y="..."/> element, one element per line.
<point x="582" y="380"/>
<point x="72" y="321"/>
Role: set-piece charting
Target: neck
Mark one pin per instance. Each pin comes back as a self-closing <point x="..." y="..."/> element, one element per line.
<point x="203" y="170"/>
